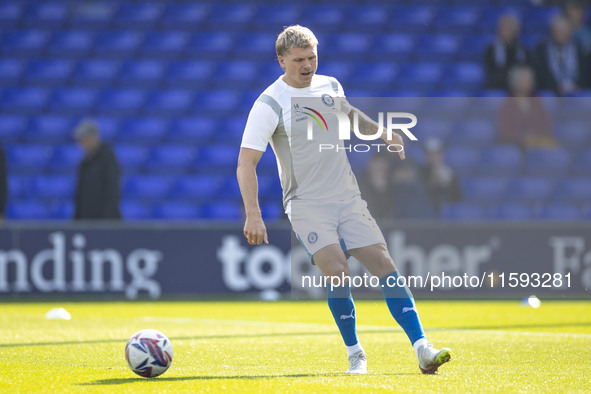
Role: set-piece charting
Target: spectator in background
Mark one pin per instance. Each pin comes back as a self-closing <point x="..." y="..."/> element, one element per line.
<point x="575" y="11"/>
<point x="523" y="119"/>
<point x="560" y="63"/>
<point x="97" y="193"/>
<point x="3" y="183"/>
<point x="442" y="183"/>
<point x="504" y="53"/>
<point x="411" y="200"/>
<point x="376" y="188"/>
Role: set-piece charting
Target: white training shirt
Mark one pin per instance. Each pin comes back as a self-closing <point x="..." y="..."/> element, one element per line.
<point x="305" y="172"/>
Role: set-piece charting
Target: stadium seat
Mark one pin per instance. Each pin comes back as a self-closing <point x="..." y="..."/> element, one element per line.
<point x="61" y="210"/>
<point x="141" y="74"/>
<point x="53" y="72"/>
<point x="501" y="160"/>
<point x="484" y="189"/>
<point x="92" y="15"/>
<point x="236" y="75"/>
<point x="233" y="128"/>
<point x="11" y="71"/>
<point x="53" y="186"/>
<point x="108" y="127"/>
<point x="467" y="77"/>
<point x="574" y="135"/>
<point x="475" y="133"/>
<point x="23" y="42"/>
<point x="256" y="46"/>
<point x="224" y="211"/>
<point x="224" y="156"/>
<point x="463" y="212"/>
<point x="49" y="129"/>
<point x="138" y="15"/>
<point x="218" y="103"/>
<point x="19" y="187"/>
<point x="437" y="48"/>
<point x="197" y="187"/>
<point x="367" y="18"/>
<point x="344" y="45"/>
<point x="117" y="44"/>
<point x="28" y="159"/>
<point x="184" y="15"/>
<point x="463" y="160"/>
<point x="272" y="211"/>
<point x="274" y="17"/>
<point x="582" y="164"/>
<point x="10" y="13"/>
<point x="132" y="209"/>
<point x="573" y="190"/>
<point x="190" y="74"/>
<point x="192" y="130"/>
<point x="164" y="45"/>
<point x="28" y="210"/>
<point x="531" y="189"/>
<point x="74" y="101"/>
<point x="373" y="76"/>
<point x="474" y="46"/>
<point x="144" y="131"/>
<point x="66" y="159"/>
<point x="214" y="45"/>
<point x="234" y="17"/>
<point x="132" y="158"/>
<point x="411" y="19"/>
<point x="121" y="102"/>
<point x="457" y="20"/>
<point x="171" y="102"/>
<point x="171" y="159"/>
<point x="323" y="17"/>
<point x="12" y="128"/>
<point x="547" y="162"/>
<point x="393" y="47"/>
<point x="24" y="100"/>
<point x="514" y="211"/>
<point x="70" y="43"/>
<point x="432" y="128"/>
<point x="95" y="73"/>
<point x="561" y="212"/>
<point x="49" y="14"/>
<point x="178" y="210"/>
<point x="419" y="76"/>
<point x="340" y="70"/>
<point x="147" y="187"/>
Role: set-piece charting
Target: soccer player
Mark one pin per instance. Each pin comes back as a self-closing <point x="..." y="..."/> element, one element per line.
<point x="321" y="196"/>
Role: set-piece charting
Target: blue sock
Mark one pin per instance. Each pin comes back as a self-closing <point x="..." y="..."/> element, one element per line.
<point x="402" y="307"/>
<point x="342" y="307"/>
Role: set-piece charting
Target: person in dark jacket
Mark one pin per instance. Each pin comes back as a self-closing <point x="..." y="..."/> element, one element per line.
<point x="97" y="192"/>
<point x="3" y="183"/>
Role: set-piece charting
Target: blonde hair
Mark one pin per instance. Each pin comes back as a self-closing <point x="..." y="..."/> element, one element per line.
<point x="295" y="36"/>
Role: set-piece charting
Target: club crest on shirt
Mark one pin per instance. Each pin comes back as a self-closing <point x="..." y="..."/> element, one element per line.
<point x="327" y="100"/>
<point x="312" y="237"/>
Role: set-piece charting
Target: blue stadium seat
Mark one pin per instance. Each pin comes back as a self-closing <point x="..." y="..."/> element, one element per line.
<point x="218" y="103"/>
<point x="11" y="71"/>
<point x="432" y="128"/>
<point x="28" y="159"/>
<point x="10" y="13"/>
<point x="178" y="210"/>
<point x="12" y="128"/>
<point x="70" y="43"/>
<point x="132" y="209"/>
<point x="237" y="74"/>
<point x="582" y="164"/>
<point x="531" y="189"/>
<point x="184" y="15"/>
<point x="92" y="15"/>
<point x="145" y="131"/>
<point x="138" y="15"/>
<point x="373" y="75"/>
<point x="256" y="46"/>
<point x="474" y="46"/>
<point x="323" y="17"/>
<point x="165" y="45"/>
<point x="274" y="17"/>
<point x="132" y="158"/>
<point x="233" y="128"/>
<point x="141" y="73"/>
<point x="463" y="212"/>
<point x="214" y="45"/>
<point x="514" y="211"/>
<point x="224" y="156"/>
<point x="574" y="190"/>
<point x="272" y="211"/>
<point x="52" y="72"/>
<point x="108" y="127"/>
<point x="190" y="74"/>
<point x="419" y="76"/>
<point x="96" y="72"/>
<point x="171" y="159"/>
<point x="561" y="212"/>
<point x="574" y="135"/>
<point x="547" y="162"/>
<point x="393" y="47"/>
<point x="463" y="160"/>
<point x="46" y="14"/>
<point x="234" y="17"/>
<point x="197" y="187"/>
<point x="411" y="19"/>
<point x="28" y="210"/>
<point x="74" y="101"/>
<point x="468" y="77"/>
<point x="224" y="211"/>
<point x="367" y="18"/>
<point x="54" y="186"/>
<point x="117" y="44"/>
<point x="192" y="130"/>
<point x="24" y="100"/>
<point x="484" y="189"/>
<point x="341" y="46"/>
<point x="538" y="19"/>
<point x="340" y="70"/>
<point x="147" y="187"/>
<point x="121" y="102"/>
<point x="23" y="42"/>
<point x="19" y="187"/>
<point x="172" y="102"/>
<point x="475" y="133"/>
<point x="457" y="20"/>
<point x="66" y="159"/>
<point x="501" y="160"/>
<point x="49" y="129"/>
<point x="489" y="18"/>
<point x="437" y="48"/>
<point x="62" y="210"/>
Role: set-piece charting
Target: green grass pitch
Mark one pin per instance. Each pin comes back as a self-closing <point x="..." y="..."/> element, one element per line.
<point x="291" y="346"/>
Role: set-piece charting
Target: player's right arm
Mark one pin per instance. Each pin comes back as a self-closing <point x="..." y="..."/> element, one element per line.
<point x="254" y="227"/>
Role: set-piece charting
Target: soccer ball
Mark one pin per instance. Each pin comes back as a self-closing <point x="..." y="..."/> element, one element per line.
<point x="148" y="353"/>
